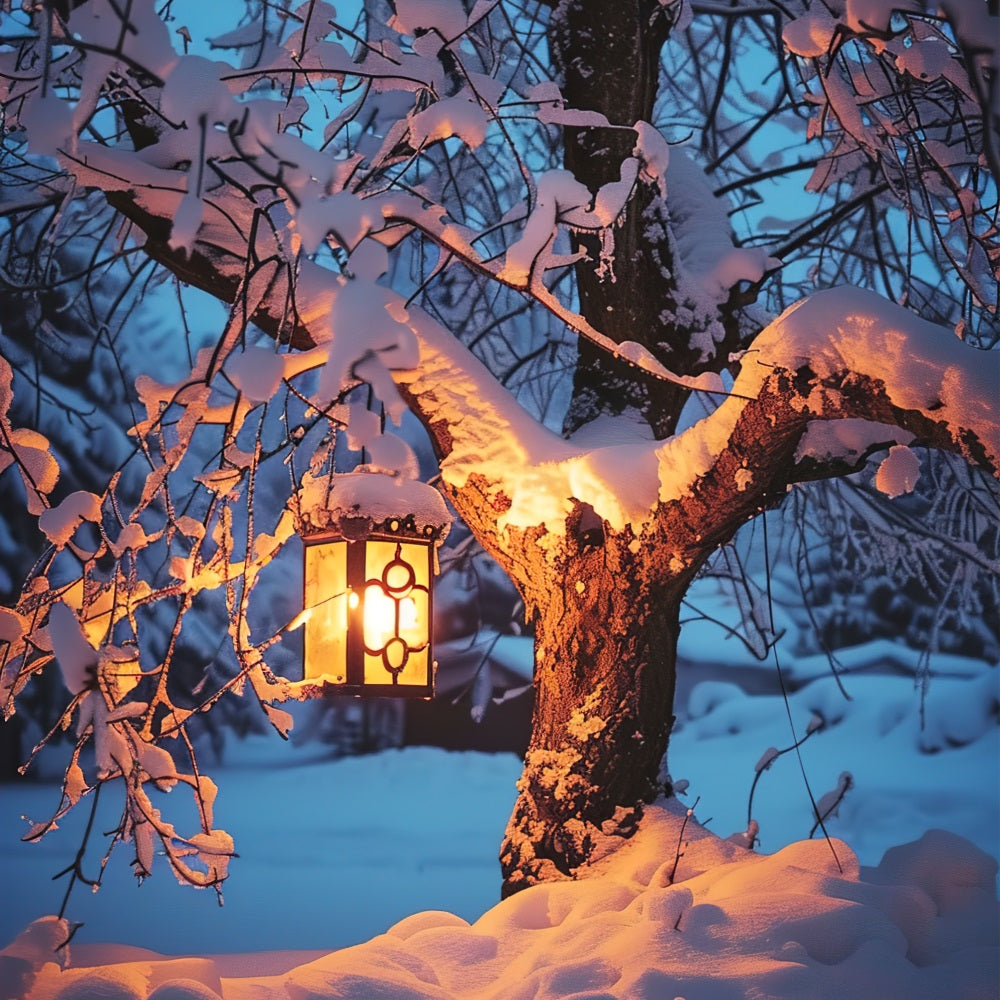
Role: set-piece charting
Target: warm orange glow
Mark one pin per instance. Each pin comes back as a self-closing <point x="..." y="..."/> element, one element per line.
<point x="367" y="614"/>
<point x="380" y="620"/>
<point x="408" y="622"/>
<point x="325" y="612"/>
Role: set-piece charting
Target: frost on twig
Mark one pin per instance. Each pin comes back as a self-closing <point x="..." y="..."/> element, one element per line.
<point x="829" y="802"/>
<point x="767" y="759"/>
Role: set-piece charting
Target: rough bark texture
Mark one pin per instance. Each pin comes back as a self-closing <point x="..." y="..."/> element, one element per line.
<point x="608" y="52"/>
<point x="605" y="665"/>
<point x="609" y="56"/>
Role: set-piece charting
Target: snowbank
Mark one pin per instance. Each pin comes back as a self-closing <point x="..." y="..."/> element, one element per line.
<point x="676" y="912"/>
<point x="916" y="764"/>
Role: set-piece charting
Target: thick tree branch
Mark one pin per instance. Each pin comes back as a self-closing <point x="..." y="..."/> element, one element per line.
<point x="844" y="354"/>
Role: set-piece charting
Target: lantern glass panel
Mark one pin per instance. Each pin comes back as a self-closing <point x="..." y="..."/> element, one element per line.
<point x="326" y="593"/>
<point x="396" y="612"/>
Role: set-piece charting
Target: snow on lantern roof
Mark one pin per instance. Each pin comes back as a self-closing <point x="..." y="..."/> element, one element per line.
<point x="356" y="503"/>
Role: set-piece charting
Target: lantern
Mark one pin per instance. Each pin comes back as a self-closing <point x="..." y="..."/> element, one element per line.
<point x="367" y="601"/>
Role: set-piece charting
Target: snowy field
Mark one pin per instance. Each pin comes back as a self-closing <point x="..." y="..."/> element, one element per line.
<point x="334" y="853"/>
<point x="331" y="853"/>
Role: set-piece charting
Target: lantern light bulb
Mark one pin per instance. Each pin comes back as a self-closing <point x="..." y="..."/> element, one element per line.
<point x="380" y="619"/>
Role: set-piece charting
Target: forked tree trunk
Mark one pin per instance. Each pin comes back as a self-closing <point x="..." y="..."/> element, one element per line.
<point x="606" y="619"/>
<point x="605" y="671"/>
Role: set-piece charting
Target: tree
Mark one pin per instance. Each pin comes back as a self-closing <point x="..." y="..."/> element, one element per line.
<point x="382" y="207"/>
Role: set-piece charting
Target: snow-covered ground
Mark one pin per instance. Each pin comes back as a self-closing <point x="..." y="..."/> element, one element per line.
<point x="330" y="853"/>
<point x="675" y="912"/>
<point x="333" y="853"/>
<point x="909" y="774"/>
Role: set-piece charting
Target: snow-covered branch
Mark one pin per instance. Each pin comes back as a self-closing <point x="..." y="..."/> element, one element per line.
<point x="830" y="379"/>
<point x="922" y="379"/>
<point x="823" y="385"/>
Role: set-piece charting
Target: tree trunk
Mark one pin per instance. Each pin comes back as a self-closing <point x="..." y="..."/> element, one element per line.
<point x="605" y="668"/>
<point x="606" y="624"/>
<point x="609" y="52"/>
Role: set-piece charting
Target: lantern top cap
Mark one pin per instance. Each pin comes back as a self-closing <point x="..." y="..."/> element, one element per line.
<point x="355" y="503"/>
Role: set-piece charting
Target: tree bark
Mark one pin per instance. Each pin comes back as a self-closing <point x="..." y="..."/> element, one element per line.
<point x="606" y="621"/>
<point x="608" y="52"/>
<point x="606" y="628"/>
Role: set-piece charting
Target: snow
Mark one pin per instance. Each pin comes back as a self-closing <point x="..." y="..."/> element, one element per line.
<point x="452" y="116"/>
<point x="374" y="497"/>
<point x="77" y="658"/>
<point x="400" y="848"/>
<point x="675" y="912"/>
<point x="552" y="108"/>
<point x="854" y="329"/>
<point x="848" y="329"/>
<point x="256" y="372"/>
<point x="927" y="60"/>
<point x="366" y="329"/>
<point x="557" y="192"/>
<point x="654" y="153"/>
<point x="810" y="35"/>
<point x="849" y="438"/>
<point x="50" y="122"/>
<point x="345" y="216"/>
<point x="330" y="852"/>
<point x="910" y="773"/>
<point x="38" y="468"/>
<point x="708" y="264"/>
<point x="898" y="472"/>
<point x="59" y="523"/>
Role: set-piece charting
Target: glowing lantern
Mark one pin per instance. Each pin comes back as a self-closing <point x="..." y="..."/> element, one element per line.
<point x="367" y="598"/>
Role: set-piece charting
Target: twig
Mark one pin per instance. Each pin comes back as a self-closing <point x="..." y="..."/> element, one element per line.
<point x="75" y="870"/>
<point x="680" y="839"/>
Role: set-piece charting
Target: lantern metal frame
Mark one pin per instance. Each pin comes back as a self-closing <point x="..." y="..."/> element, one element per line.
<point x="356" y="534"/>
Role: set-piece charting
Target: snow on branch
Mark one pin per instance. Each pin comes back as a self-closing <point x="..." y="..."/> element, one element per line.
<point x="930" y="378"/>
<point x="843" y="354"/>
<point x="220" y="176"/>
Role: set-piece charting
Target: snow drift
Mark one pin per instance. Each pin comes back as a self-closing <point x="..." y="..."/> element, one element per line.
<point x="676" y="912"/>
